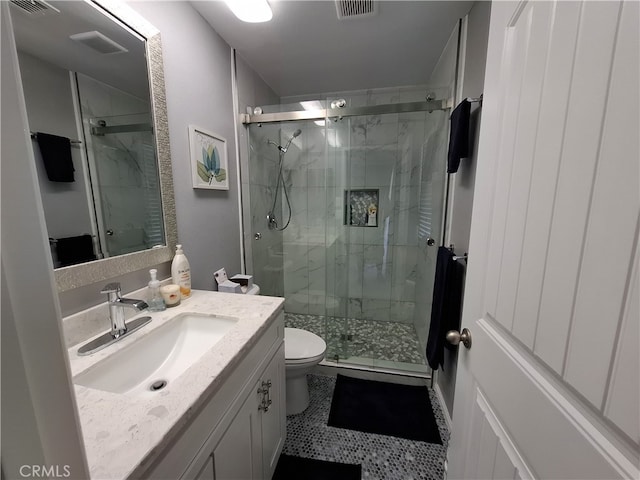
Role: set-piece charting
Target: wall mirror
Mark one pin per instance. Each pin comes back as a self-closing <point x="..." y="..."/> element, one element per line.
<point x="93" y="84"/>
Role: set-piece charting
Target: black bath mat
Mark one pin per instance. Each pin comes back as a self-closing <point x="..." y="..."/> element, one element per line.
<point x="298" y="468"/>
<point x="403" y="411"/>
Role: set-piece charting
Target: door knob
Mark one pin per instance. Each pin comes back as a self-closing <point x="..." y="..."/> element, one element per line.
<point x="454" y="337"/>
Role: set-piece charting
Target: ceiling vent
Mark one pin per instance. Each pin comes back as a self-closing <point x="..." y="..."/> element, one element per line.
<point x="355" y="8"/>
<point x="98" y="42"/>
<point x="35" y="8"/>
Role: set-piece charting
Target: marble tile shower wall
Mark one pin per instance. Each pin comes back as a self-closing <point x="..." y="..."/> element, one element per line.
<point x="305" y="239"/>
<point x="125" y="164"/>
<point x="267" y="261"/>
<point x="348" y="271"/>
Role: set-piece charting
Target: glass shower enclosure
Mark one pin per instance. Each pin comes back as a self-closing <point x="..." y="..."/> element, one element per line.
<point x="361" y="192"/>
<point x="123" y="170"/>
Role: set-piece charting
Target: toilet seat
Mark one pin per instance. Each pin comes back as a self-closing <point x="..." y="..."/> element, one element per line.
<point x="304" y="361"/>
<point x="301" y="346"/>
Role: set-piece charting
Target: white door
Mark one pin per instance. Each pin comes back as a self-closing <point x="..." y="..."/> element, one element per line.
<point x="550" y="386"/>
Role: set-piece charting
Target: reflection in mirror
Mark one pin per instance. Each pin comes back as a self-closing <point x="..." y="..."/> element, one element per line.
<point x="89" y="109"/>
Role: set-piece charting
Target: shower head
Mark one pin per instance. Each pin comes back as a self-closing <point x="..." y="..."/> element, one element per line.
<point x="286" y="147"/>
<point x="295" y="134"/>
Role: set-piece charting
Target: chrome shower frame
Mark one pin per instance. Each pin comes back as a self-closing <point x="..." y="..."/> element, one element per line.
<point x="429" y="105"/>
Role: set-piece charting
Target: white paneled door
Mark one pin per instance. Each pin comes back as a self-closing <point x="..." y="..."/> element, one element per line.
<point x="550" y="386"/>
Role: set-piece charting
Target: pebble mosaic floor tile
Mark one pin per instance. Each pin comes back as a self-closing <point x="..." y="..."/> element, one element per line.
<point x="391" y="341"/>
<point x="382" y="457"/>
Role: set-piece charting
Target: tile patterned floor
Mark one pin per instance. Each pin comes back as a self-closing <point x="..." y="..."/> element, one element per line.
<point x="382" y="457"/>
<point x="392" y="341"/>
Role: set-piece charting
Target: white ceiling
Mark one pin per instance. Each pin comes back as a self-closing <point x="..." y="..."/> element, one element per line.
<point x="306" y="49"/>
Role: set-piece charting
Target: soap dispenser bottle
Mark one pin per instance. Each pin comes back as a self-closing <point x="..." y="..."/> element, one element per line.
<point x="156" y="303"/>
<point x="181" y="272"/>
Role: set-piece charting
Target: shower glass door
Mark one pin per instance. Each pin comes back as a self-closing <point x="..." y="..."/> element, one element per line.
<point x="123" y="169"/>
<point x="126" y="183"/>
<point x="264" y="252"/>
<point x="386" y="181"/>
<point x="352" y="211"/>
<point x="286" y="255"/>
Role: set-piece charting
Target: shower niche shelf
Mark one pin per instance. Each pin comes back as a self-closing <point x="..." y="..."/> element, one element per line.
<point x="361" y="207"/>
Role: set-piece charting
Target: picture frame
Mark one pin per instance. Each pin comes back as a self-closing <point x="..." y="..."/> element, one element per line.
<point x="209" y="160"/>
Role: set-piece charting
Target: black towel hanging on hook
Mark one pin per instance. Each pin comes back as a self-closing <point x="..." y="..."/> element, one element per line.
<point x="446" y="305"/>
<point x="459" y="135"/>
<point x="56" y="155"/>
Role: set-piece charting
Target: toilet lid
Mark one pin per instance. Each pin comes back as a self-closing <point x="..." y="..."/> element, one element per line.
<point x="299" y="344"/>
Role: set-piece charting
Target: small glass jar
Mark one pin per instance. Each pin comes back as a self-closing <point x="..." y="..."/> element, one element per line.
<point x="171" y="295"/>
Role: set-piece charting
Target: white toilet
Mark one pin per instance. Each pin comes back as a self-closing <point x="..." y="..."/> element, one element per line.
<point x="302" y="351"/>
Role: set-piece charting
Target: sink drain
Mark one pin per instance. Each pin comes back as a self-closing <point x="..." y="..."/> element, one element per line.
<point x="158" y="385"/>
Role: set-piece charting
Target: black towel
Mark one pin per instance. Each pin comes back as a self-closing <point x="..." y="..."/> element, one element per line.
<point x="459" y="135"/>
<point x="446" y="305"/>
<point x="56" y="155"/>
<point x="73" y="250"/>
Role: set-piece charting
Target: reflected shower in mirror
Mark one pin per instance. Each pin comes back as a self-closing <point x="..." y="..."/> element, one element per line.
<point x="85" y="79"/>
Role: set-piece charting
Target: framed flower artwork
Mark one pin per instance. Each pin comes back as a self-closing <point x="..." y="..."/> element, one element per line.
<point x="209" y="162"/>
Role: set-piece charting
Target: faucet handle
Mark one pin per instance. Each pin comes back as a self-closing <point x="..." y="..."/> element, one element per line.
<point x="113" y="287"/>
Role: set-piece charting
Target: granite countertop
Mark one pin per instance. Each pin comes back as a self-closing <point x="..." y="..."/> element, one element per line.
<point x="122" y="433"/>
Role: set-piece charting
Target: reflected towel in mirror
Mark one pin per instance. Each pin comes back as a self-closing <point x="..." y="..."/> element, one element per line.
<point x="56" y="155"/>
<point x="73" y="250"/>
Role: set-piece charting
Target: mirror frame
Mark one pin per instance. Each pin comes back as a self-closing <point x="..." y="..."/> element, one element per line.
<point x="69" y="278"/>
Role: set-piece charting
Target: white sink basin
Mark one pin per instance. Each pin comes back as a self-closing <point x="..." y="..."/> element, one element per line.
<point x="160" y="356"/>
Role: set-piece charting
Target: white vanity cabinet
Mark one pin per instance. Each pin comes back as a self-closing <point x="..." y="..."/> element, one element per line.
<point x="252" y="443"/>
<point x="239" y="433"/>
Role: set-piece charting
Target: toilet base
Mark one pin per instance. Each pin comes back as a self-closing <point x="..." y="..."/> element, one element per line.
<point x="297" y="394"/>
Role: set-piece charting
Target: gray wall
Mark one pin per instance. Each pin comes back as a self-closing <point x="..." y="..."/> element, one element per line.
<point x="66" y="207"/>
<point x="197" y="64"/>
<point x="472" y="86"/>
<point x="464" y="179"/>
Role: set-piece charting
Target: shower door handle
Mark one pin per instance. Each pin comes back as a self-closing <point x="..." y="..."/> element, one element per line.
<point x="454" y="337"/>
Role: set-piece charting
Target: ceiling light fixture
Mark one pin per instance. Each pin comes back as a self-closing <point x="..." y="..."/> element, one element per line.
<point x="251" y="11"/>
<point x="314" y="105"/>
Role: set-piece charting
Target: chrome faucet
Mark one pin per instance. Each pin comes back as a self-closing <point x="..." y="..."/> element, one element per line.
<point x="117" y="305"/>
<point x="119" y="328"/>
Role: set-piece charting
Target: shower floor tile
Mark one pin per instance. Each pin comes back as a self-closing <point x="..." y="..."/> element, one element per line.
<point x="382" y="457"/>
<point x="352" y="337"/>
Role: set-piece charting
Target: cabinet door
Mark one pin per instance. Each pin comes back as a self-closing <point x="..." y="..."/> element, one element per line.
<point x="273" y="420"/>
<point x="207" y="471"/>
<point x="237" y="456"/>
